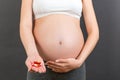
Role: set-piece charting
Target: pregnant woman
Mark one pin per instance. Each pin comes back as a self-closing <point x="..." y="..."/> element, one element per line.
<point x="53" y="40"/>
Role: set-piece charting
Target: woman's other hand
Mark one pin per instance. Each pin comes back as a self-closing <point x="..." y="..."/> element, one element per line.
<point x="63" y="65"/>
<point x="30" y="59"/>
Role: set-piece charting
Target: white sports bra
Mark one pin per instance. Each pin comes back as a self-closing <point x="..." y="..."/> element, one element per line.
<point x="46" y="7"/>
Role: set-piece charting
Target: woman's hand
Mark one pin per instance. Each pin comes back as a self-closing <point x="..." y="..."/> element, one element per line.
<point x="63" y="65"/>
<point x="31" y="59"/>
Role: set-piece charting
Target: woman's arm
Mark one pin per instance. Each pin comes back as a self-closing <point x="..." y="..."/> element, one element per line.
<point x="92" y="30"/>
<point x="26" y="28"/>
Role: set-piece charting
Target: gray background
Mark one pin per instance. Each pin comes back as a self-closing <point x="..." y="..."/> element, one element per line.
<point x="102" y="64"/>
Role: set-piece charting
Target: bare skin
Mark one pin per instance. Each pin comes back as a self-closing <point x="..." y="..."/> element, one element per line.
<point x="57" y="38"/>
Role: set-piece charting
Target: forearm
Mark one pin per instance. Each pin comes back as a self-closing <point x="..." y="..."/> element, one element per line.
<point x="88" y="47"/>
<point x="28" y="41"/>
<point x="92" y="30"/>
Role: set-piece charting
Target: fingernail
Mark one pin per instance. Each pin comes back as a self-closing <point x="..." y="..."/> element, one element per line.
<point x="48" y="66"/>
<point x="56" y="60"/>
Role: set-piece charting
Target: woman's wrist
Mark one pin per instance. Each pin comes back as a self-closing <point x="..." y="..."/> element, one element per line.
<point x="80" y="62"/>
<point x="33" y="54"/>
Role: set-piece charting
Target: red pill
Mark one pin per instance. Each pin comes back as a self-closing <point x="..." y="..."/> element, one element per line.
<point x="36" y="64"/>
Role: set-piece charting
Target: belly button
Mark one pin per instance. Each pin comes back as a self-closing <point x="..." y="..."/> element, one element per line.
<point x="60" y="42"/>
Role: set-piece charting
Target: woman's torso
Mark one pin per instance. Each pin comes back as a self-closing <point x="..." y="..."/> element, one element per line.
<point x="58" y="36"/>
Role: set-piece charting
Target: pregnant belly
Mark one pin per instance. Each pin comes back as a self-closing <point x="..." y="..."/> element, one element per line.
<point x="58" y="41"/>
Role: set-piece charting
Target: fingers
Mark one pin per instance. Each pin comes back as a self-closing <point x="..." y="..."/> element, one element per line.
<point x="53" y="66"/>
<point x="38" y="69"/>
<point x="53" y="63"/>
<point x="42" y="69"/>
<point x="56" y="64"/>
<point x="34" y="69"/>
<point x="56" y="70"/>
<point x="28" y="64"/>
<point x="61" y="60"/>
